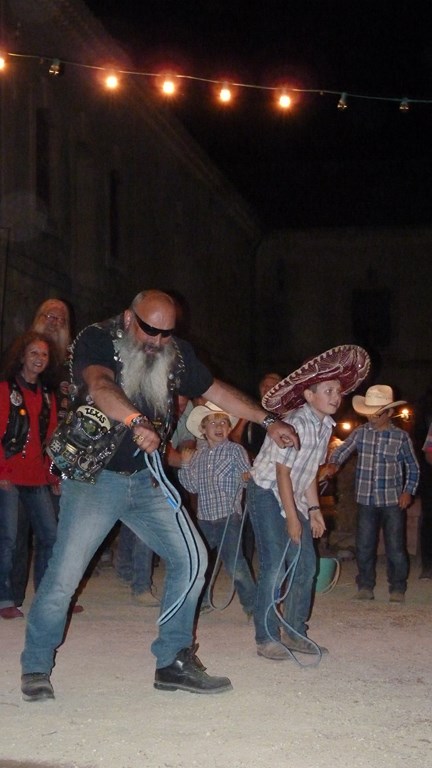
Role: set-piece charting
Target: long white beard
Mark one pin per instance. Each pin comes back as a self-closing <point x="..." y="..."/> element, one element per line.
<point x="145" y="375"/>
<point x="60" y="337"/>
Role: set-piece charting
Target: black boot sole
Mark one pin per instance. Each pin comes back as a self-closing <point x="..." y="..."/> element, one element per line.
<point x="160" y="686"/>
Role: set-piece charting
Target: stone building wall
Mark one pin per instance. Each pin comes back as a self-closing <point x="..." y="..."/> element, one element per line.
<point x="103" y="194"/>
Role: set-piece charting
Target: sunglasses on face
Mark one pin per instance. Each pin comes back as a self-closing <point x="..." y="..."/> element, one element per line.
<point x="150" y="330"/>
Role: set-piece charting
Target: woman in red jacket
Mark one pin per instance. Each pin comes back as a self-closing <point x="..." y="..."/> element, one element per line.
<point x="28" y="417"/>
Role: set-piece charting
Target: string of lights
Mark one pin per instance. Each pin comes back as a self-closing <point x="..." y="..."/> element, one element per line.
<point x="169" y="82"/>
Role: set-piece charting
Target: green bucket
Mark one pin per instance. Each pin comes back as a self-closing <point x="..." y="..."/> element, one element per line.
<point x="327" y="575"/>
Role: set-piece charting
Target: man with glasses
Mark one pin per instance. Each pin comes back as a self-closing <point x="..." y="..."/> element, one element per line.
<point x="53" y="318"/>
<point x="128" y="370"/>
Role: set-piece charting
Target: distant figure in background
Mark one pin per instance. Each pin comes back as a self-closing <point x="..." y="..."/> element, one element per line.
<point x="133" y="563"/>
<point x="251" y="436"/>
<point x="247" y="433"/>
<point x="54" y="319"/>
<point x="28" y="416"/>
<point x="423" y="444"/>
<point x="386" y="480"/>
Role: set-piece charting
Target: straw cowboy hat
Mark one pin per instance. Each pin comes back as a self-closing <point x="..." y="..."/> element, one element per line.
<point x="193" y="423"/>
<point x="377" y="398"/>
<point x="348" y="364"/>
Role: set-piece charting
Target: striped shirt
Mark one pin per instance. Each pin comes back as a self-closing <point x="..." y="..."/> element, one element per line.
<point x="215" y="474"/>
<point x="314" y="435"/>
<point x="386" y="465"/>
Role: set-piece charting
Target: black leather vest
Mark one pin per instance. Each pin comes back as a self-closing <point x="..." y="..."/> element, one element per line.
<point x="18" y="425"/>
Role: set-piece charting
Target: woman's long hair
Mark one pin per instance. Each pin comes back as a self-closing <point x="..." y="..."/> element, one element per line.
<point x="13" y="362"/>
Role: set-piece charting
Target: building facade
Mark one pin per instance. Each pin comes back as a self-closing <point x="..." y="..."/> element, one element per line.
<point x="104" y="193"/>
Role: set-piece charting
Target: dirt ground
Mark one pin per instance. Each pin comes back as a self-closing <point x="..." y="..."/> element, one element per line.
<point x="367" y="704"/>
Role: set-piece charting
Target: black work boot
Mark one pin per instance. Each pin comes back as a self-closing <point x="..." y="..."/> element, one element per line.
<point x="36" y="686"/>
<point x="186" y="673"/>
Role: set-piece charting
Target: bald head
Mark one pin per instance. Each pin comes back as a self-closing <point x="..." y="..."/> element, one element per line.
<point x="154" y="301"/>
<point x="151" y="319"/>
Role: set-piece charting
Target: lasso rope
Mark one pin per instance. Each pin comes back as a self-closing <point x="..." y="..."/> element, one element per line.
<point x="279" y="597"/>
<point x="154" y="464"/>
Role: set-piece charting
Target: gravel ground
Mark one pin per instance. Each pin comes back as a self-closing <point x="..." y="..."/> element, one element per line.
<point x="367" y="704"/>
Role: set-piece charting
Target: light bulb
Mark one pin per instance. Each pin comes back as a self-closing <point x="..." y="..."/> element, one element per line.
<point x="112" y="82"/>
<point x="342" y="102"/>
<point x="55" y="67"/>
<point x="284" y="101"/>
<point x="225" y="94"/>
<point x="168" y="86"/>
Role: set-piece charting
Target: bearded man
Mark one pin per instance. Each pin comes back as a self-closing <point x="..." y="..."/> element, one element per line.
<point x="53" y="318"/>
<point x="130" y="368"/>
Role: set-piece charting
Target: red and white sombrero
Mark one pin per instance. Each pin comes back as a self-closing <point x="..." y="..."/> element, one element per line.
<point x="348" y="364"/>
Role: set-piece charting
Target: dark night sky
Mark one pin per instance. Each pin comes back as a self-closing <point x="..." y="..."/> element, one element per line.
<point x="315" y="166"/>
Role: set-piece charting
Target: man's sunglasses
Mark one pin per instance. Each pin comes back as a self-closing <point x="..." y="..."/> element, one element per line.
<point x="150" y="330"/>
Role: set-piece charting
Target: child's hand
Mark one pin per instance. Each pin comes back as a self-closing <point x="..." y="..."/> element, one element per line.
<point x="317" y="523"/>
<point x="405" y="500"/>
<point x="186" y="456"/>
<point x="294" y="529"/>
<point x="245" y="476"/>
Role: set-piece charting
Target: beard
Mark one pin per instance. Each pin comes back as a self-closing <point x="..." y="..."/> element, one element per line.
<point x="59" y="336"/>
<point x="145" y="373"/>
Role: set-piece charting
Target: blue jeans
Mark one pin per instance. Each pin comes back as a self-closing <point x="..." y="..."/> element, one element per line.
<point x="38" y="509"/>
<point x="87" y="514"/>
<point x="271" y="538"/>
<point x="133" y="561"/>
<point x="393" y="522"/>
<point x="213" y="531"/>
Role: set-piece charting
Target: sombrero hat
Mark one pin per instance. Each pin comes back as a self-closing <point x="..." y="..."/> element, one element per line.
<point x="193" y="423"/>
<point x="348" y="364"/>
<point x="377" y="398"/>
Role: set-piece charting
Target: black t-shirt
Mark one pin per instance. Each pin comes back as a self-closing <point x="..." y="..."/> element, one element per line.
<point x="95" y="346"/>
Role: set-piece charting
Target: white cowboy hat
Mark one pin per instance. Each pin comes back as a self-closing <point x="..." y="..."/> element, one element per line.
<point x="193" y="423"/>
<point x="377" y="398"/>
<point x="348" y="364"/>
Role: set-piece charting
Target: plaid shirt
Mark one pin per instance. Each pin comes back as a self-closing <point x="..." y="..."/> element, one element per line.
<point x="215" y="474"/>
<point x="386" y="465"/>
<point x="314" y="436"/>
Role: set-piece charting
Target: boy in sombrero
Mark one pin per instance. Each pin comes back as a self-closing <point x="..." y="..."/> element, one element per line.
<point x="282" y="496"/>
<point x="387" y="476"/>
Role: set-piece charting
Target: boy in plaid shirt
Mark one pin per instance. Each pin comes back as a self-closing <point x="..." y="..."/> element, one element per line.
<point x="387" y="477"/>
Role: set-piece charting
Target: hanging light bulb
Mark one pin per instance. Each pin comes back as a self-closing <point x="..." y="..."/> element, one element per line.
<point x="112" y="82"/>
<point x="404" y="105"/>
<point x="56" y="67"/>
<point x="284" y="100"/>
<point x="342" y="103"/>
<point x="225" y="94"/>
<point x="2" y="62"/>
<point x="168" y="86"/>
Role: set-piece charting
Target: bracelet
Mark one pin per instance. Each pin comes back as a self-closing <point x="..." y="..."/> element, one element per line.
<point x="131" y="420"/>
<point x="314" y="508"/>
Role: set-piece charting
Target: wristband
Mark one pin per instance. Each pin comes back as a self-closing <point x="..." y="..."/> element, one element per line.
<point x="315" y="508"/>
<point x="129" y="421"/>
